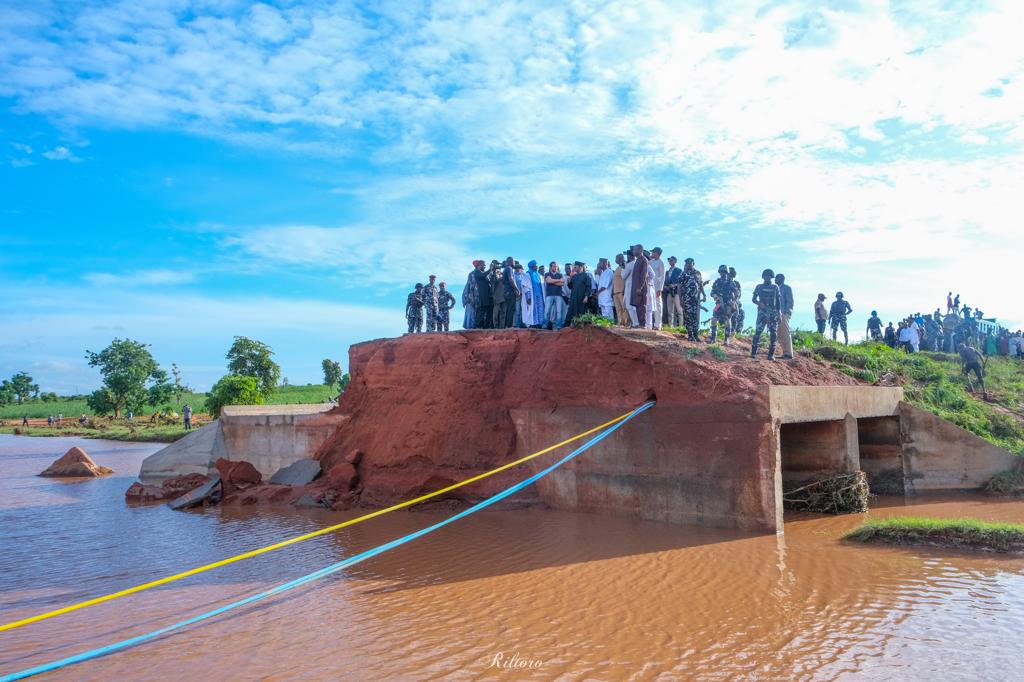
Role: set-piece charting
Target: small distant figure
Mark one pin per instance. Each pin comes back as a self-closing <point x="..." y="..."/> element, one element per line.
<point x="82" y="420"/>
<point x="24" y="420"/>
<point x="723" y="291"/>
<point x="737" y="318"/>
<point x="956" y="305"/>
<point x="445" y="303"/>
<point x="60" y="420"/>
<point x="837" y="316"/>
<point x="414" y="310"/>
<point x="186" y="414"/>
<point x="131" y="415"/>
<point x="820" y="314"/>
<point x="429" y="297"/>
<point x="970" y="361"/>
<point x="890" y="336"/>
<point x="949" y="303"/>
<point x="768" y="300"/>
<point x="49" y="420"/>
<point x="785" y="314"/>
<point x="874" y="329"/>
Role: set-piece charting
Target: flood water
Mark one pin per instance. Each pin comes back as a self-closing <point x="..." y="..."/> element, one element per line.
<point x="578" y="596"/>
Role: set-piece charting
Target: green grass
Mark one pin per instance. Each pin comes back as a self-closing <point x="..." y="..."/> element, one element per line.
<point x="156" y="434"/>
<point x="717" y="353"/>
<point x="592" y="320"/>
<point x="72" y="409"/>
<point x="915" y="530"/>
<point x="932" y="382"/>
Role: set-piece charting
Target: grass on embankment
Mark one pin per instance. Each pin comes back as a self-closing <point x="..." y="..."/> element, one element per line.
<point x="933" y="382"/>
<point x="954" y="533"/>
<point x="139" y="431"/>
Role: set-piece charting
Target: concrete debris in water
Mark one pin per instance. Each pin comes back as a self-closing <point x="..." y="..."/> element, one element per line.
<point x="301" y="472"/>
<point x="75" y="463"/>
<point x="170" y="489"/>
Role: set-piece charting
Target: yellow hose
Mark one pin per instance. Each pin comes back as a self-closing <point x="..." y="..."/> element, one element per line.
<point x="285" y="543"/>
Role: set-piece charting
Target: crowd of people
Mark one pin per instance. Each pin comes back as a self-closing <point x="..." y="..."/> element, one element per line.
<point x="642" y="290"/>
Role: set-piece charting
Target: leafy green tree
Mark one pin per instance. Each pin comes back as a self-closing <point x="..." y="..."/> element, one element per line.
<point x="250" y="358"/>
<point x="130" y="374"/>
<point x="179" y="388"/>
<point x="6" y="392"/>
<point x="49" y="397"/>
<point x="332" y="371"/>
<point x="22" y="387"/>
<point x="233" y="389"/>
<point x="345" y="378"/>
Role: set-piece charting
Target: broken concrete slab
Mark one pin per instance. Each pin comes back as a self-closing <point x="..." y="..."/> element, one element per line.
<point x="298" y="473"/>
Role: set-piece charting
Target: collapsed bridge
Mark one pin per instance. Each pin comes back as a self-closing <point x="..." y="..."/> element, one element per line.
<point x="728" y="432"/>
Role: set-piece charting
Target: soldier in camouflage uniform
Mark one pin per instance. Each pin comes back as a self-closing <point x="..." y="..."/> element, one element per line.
<point x="445" y="302"/>
<point x="737" y="318"/>
<point x="768" y="298"/>
<point x="692" y="288"/>
<point x="430" y="304"/>
<point x="414" y="310"/>
<point x="837" y="316"/>
<point x="723" y="291"/>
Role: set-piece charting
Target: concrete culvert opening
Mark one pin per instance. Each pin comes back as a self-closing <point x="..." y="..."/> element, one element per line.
<point x="881" y="455"/>
<point x="821" y="467"/>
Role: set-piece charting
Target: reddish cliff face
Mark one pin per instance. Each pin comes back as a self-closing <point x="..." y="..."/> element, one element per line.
<point x="432" y="409"/>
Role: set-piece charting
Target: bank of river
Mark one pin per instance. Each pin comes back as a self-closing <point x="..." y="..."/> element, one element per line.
<point x="582" y="596"/>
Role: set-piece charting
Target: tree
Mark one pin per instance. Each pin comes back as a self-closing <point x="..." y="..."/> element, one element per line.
<point x="332" y="371"/>
<point x="345" y="378"/>
<point x="130" y="377"/>
<point x="22" y="386"/>
<point x="250" y="358"/>
<point x="6" y="392"/>
<point x="233" y="389"/>
<point x="179" y="388"/>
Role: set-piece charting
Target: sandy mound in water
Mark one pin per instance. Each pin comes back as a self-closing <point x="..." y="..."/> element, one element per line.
<point x="75" y="463"/>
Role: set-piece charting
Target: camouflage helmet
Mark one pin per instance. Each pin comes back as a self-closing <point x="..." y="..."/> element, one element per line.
<point x="768" y="274"/>
<point x="723" y="268"/>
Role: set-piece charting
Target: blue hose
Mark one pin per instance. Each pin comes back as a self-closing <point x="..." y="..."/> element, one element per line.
<point x="323" y="572"/>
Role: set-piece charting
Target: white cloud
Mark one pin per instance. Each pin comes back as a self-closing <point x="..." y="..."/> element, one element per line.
<point x="23" y="148"/>
<point x="140" y="278"/>
<point x="60" y="154"/>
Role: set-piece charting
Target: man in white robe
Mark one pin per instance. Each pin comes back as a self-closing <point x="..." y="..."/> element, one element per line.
<point x="604" y="289"/>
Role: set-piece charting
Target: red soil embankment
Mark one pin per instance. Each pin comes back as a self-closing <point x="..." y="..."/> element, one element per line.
<point x="428" y="410"/>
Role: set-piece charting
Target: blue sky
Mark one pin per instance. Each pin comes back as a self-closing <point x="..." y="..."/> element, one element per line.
<point x="181" y="172"/>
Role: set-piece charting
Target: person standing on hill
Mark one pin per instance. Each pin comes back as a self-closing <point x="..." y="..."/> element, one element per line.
<point x="820" y="313"/>
<point x="768" y="300"/>
<point x="837" y="315"/>
<point x="619" y="291"/>
<point x="430" y="303"/>
<point x="186" y="415"/>
<point x="949" y="303"/>
<point x="483" y="297"/>
<point x="445" y="303"/>
<point x="639" y="272"/>
<point x="581" y="288"/>
<point x="956" y="304"/>
<point x="469" y="298"/>
<point x="724" y="294"/>
<point x="414" y="310"/>
<point x="554" y="305"/>
<point x="673" y="298"/>
<point x="658" y="266"/>
<point x="874" y="328"/>
<point x="533" y="296"/>
<point x="786" y="312"/>
<point x="692" y="288"/>
<point x="737" y="322"/>
<point x="605" y="277"/>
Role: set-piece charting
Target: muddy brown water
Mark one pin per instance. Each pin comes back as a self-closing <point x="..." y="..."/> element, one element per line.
<point x="573" y="596"/>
